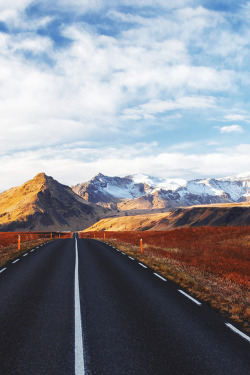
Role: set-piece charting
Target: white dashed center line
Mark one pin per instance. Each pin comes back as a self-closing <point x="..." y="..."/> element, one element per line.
<point x="131" y="258"/>
<point x="15" y="261"/>
<point x="3" y="269"/>
<point x="24" y="255"/>
<point x="143" y="265"/>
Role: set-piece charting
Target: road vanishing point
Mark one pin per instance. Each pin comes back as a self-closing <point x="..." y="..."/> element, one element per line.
<point x="80" y="306"/>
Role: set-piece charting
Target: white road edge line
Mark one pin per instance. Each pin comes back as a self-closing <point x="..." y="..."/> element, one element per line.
<point x="156" y="274"/>
<point x="79" y="360"/>
<point x="24" y="255"/>
<point x="15" y="261"/>
<point x="143" y="265"/>
<point x="131" y="258"/>
<point x="3" y="269"/>
<point x="188" y="296"/>
<point x="238" y="332"/>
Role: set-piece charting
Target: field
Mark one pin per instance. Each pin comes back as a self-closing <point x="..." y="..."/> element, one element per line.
<point x="211" y="262"/>
<point x="9" y="241"/>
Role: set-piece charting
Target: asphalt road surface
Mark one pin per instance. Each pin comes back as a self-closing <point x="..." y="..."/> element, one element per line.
<point x="82" y="307"/>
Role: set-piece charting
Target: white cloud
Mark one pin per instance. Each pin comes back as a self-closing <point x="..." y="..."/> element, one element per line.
<point x="97" y="5"/>
<point x="236" y="117"/>
<point x="88" y="89"/>
<point x="212" y="143"/>
<point x="182" y="146"/>
<point x="231" y="129"/>
<point x="163" y="3"/>
<point x="148" y="110"/>
<point x="65" y="165"/>
<point x="167" y="62"/>
<point x="11" y="12"/>
<point x="35" y="44"/>
<point x="14" y="4"/>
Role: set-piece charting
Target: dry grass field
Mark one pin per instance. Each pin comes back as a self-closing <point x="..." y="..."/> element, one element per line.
<point x="211" y="262"/>
<point x="9" y="248"/>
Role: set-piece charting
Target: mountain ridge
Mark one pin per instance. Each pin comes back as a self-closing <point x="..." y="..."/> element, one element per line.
<point x="136" y="192"/>
<point x="42" y="203"/>
<point x="195" y="216"/>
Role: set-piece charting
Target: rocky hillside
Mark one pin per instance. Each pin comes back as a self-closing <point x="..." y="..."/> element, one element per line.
<point x="208" y="215"/>
<point x="44" y="204"/>
<point x="109" y="191"/>
<point x="141" y="192"/>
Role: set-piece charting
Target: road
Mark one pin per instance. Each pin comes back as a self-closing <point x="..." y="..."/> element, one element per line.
<point x="82" y="307"/>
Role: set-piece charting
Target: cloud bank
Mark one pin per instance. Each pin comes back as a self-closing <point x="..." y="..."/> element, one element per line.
<point x="94" y="76"/>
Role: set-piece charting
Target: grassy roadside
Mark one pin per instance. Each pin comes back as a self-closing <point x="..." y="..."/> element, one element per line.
<point x="10" y="252"/>
<point x="228" y="297"/>
<point x="29" y="240"/>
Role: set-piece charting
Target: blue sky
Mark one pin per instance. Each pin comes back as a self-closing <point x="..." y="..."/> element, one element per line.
<point x="160" y="87"/>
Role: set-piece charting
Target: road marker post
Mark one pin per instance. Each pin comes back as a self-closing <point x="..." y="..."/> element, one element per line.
<point x="51" y="236"/>
<point x="94" y="235"/>
<point x="104" y="236"/>
<point x="19" y="242"/>
<point x="141" y="246"/>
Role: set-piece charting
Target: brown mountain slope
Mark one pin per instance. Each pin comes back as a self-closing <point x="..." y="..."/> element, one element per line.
<point x="128" y="223"/>
<point x="208" y="215"/>
<point x="44" y="204"/>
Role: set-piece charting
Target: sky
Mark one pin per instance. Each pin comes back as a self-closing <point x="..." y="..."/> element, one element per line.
<point x="120" y="87"/>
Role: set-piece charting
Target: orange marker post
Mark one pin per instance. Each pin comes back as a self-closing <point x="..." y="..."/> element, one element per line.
<point x="94" y="235"/>
<point x="141" y="245"/>
<point x="51" y="236"/>
<point x="19" y="242"/>
<point x="104" y="236"/>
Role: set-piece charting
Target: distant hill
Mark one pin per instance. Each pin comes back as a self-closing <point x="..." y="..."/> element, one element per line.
<point x="44" y="204"/>
<point x="207" y="215"/>
<point x="142" y="192"/>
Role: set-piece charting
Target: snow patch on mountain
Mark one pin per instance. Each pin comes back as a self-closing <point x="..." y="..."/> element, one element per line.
<point x="157" y="183"/>
<point x="123" y="192"/>
<point x="238" y="177"/>
<point x="122" y="188"/>
<point x="174" y="192"/>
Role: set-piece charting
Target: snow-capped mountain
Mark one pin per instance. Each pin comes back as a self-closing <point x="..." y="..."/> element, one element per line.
<point x="147" y="192"/>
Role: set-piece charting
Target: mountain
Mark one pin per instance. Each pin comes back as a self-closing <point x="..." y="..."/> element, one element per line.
<point x="44" y="204"/>
<point x="207" y="215"/>
<point x="142" y="192"/>
<point x="109" y="191"/>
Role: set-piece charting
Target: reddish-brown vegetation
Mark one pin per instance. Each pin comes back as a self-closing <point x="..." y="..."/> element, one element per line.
<point x="212" y="262"/>
<point x="9" y="241"/>
<point x="8" y="238"/>
<point x="222" y="251"/>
